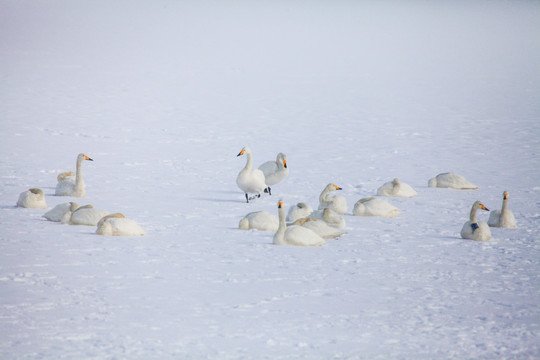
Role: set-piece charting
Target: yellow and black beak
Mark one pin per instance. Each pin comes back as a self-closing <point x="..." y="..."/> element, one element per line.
<point x="241" y="153"/>
<point x="483" y="207"/>
<point x="280" y="204"/>
<point x="285" y="163"/>
<point x="338" y="188"/>
<point x="87" y="158"/>
<point x="505" y="196"/>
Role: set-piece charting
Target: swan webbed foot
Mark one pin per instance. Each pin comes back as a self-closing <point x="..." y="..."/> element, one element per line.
<point x="268" y="191"/>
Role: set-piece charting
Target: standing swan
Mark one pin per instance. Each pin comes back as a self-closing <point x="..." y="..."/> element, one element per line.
<point x="275" y="171"/>
<point x="32" y="198"/>
<point x="334" y="202"/>
<point x="250" y="180"/>
<point x="473" y="229"/>
<point x="67" y="186"/>
<point x="294" y="235"/>
<point x="395" y="188"/>
<point x="502" y="218"/>
<point x="452" y="181"/>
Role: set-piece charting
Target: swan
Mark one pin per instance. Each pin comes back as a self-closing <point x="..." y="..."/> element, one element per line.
<point x="294" y="235"/>
<point x="334" y="202"/>
<point x="320" y="227"/>
<point x="299" y="211"/>
<point x="395" y="188"/>
<point x="61" y="212"/>
<point x="502" y="218"/>
<point x="118" y="225"/>
<point x="275" y="171"/>
<point x="69" y="186"/>
<point x="329" y="216"/>
<point x="250" y="180"/>
<point x="373" y="206"/>
<point x="87" y="215"/>
<point x="32" y="198"/>
<point x="451" y="180"/>
<point x="473" y="229"/>
<point x="260" y="220"/>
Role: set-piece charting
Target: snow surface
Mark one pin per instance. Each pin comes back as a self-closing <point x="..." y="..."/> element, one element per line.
<point x="164" y="94"/>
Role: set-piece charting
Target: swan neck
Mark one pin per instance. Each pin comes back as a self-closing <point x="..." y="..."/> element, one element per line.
<point x="322" y="197"/>
<point x="78" y="172"/>
<point x="473" y="214"/>
<point x="504" y="207"/>
<point x="249" y="161"/>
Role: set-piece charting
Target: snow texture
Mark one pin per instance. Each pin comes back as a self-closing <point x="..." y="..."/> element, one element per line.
<point x="163" y="94"/>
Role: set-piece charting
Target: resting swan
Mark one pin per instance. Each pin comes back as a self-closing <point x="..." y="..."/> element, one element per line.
<point x="249" y="180"/>
<point x="294" y="235"/>
<point x="69" y="186"/>
<point x="502" y="218"/>
<point x="395" y="188"/>
<point x="298" y="211"/>
<point x="451" y="180"/>
<point x="373" y="206"/>
<point x="87" y="215"/>
<point x="329" y="216"/>
<point x="61" y="212"/>
<point x="275" y="171"/>
<point x="334" y="202"/>
<point x="118" y="225"/>
<point x="32" y="198"/>
<point x="260" y="220"/>
<point x="473" y="229"/>
<point x="320" y="227"/>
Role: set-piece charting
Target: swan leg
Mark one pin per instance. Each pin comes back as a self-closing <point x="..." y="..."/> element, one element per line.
<point x="247" y="198"/>
<point x="268" y="190"/>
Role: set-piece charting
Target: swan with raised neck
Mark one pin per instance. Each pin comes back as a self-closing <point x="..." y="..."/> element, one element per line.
<point x="69" y="187"/>
<point x="249" y="180"/>
<point x="503" y="218"/>
<point x="294" y="235"/>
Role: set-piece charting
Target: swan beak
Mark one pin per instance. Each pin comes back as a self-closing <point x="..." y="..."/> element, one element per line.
<point x="87" y="158"/>
<point x="285" y="163"/>
<point x="241" y="153"/>
<point x="483" y="207"/>
<point x="338" y="188"/>
<point x="280" y="204"/>
<point x="505" y="196"/>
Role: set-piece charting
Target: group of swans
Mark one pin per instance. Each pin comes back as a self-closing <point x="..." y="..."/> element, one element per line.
<point x="72" y="184"/>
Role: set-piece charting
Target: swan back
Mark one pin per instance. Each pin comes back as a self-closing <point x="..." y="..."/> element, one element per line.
<point x="298" y="211"/>
<point x="32" y="198"/>
<point x="61" y="212"/>
<point x="87" y="215"/>
<point x="373" y="206"/>
<point x="118" y="225"/>
<point x="452" y="181"/>
<point x="259" y="220"/>
<point x="396" y="188"/>
<point x="320" y="228"/>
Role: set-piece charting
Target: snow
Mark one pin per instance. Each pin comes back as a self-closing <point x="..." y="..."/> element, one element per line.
<point x="164" y="94"/>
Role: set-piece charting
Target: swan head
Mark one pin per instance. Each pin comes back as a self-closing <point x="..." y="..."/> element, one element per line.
<point x="478" y="205"/>
<point x="36" y="191"/>
<point x="73" y="206"/>
<point x="84" y="157"/>
<point x="333" y="187"/>
<point x="432" y="182"/>
<point x="244" y="150"/>
<point x="506" y="195"/>
<point x="395" y="181"/>
<point x="282" y="158"/>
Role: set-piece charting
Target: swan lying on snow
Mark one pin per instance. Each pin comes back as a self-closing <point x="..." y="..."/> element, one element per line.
<point x="69" y="186"/>
<point x="452" y="181"/>
<point x="298" y="211"/>
<point x="260" y="220"/>
<point x="118" y="225"/>
<point x="502" y="218"/>
<point x="320" y="227"/>
<point x="329" y="216"/>
<point x="473" y="229"/>
<point x="61" y="212"/>
<point x="395" y="188"/>
<point x="87" y="215"/>
<point x="32" y="198"/>
<point x="249" y="180"/>
<point x="294" y="235"/>
<point x="373" y="206"/>
<point x="275" y="171"/>
<point x="334" y="202"/>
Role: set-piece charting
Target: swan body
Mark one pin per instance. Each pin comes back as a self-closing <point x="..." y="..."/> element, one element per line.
<point x="275" y="171"/>
<point x="294" y="235"/>
<point x="87" y="215"/>
<point x="32" y="198"/>
<point x="452" y="181"/>
<point x="249" y="180"/>
<point x="473" y="229"/>
<point x="298" y="211"/>
<point x="69" y="186"/>
<point x="334" y="202"/>
<point x="61" y="212"/>
<point x="329" y="216"/>
<point x="502" y="218"/>
<point x="260" y="220"/>
<point x="395" y="188"/>
<point x="320" y="228"/>
<point x="118" y="225"/>
<point x="375" y="207"/>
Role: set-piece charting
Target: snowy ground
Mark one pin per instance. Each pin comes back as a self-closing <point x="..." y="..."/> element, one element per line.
<point x="164" y="94"/>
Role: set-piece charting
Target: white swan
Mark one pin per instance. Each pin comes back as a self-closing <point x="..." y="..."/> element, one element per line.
<point x="395" y="188"/>
<point x="118" y="225"/>
<point x="329" y="216"/>
<point x="473" y="229"/>
<point x="249" y="180"/>
<point x="334" y="202"/>
<point x="373" y="206"/>
<point x="451" y="180"/>
<point x="275" y="171"/>
<point x="294" y="235"/>
<point x="502" y="218"/>
<point x="260" y="220"/>
<point x="320" y="227"/>
<point x="87" y="215"/>
<point x="298" y="211"/>
<point x="32" y="198"/>
<point x="69" y="186"/>
<point x="61" y="212"/>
